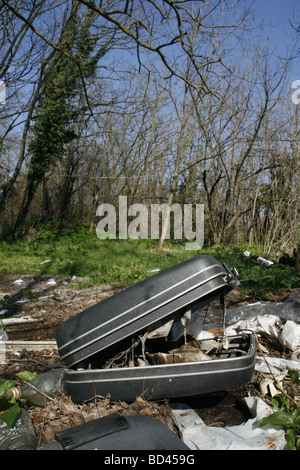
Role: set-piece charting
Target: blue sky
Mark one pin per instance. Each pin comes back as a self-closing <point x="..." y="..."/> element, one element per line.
<point x="278" y="14"/>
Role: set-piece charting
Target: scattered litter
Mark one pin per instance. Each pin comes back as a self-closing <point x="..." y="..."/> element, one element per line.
<point x="287" y="334"/>
<point x="45" y="297"/>
<point x="264" y="262"/>
<point x="260" y="260"/>
<point x="268" y="386"/>
<point x="289" y="309"/>
<point x="268" y="324"/>
<point x="290" y="335"/>
<point x="275" y="365"/>
<point x="4" y="312"/>
<point x="21" y="436"/>
<point x="43" y="388"/>
<point x="51" y="283"/>
<point x="3" y="335"/>
<point x="154" y="270"/>
<point x="24" y="301"/>
<point x="266" y="317"/>
<point x="47" y="261"/>
<point x="247" y="436"/>
<point x="189" y="352"/>
<point x="272" y="319"/>
<point x="19" y="282"/>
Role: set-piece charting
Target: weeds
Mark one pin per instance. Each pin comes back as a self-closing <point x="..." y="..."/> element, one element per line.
<point x="288" y="415"/>
<point x="9" y="409"/>
<point x="76" y="251"/>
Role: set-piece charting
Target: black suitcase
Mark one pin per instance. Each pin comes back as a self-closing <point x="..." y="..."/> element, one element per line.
<point x="115" y="432"/>
<point x="89" y="340"/>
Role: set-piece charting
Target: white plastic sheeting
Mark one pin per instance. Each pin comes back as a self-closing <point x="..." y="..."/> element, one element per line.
<point x="247" y="436"/>
<point x="288" y="334"/>
<point x="268" y="324"/>
<point x="271" y="319"/>
<point x="275" y="365"/>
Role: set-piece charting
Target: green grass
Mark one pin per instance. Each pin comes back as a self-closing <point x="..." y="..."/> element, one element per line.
<point x="76" y="251"/>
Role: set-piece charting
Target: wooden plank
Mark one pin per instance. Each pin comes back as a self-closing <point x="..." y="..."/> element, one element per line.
<point x="19" y="345"/>
<point x="22" y="324"/>
<point x="19" y="320"/>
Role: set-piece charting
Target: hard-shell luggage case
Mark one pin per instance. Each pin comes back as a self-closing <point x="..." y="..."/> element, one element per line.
<point x="89" y="340"/>
<point x="145" y="305"/>
<point x="157" y="382"/>
<point x="115" y="432"/>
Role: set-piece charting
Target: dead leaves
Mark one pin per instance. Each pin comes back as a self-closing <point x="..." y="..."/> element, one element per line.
<point x="62" y="413"/>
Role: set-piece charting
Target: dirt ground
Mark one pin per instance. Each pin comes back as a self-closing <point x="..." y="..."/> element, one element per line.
<point x="50" y="301"/>
<point x="47" y="303"/>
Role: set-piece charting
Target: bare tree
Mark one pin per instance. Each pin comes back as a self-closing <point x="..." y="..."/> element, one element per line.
<point x="231" y="130"/>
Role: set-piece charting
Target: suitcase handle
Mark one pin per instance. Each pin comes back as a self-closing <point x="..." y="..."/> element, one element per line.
<point x="88" y="432"/>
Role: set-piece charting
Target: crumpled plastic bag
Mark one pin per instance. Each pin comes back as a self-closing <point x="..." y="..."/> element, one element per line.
<point x="247" y="436"/>
<point x="21" y="436"/>
<point x="275" y="365"/>
<point x="269" y="324"/>
<point x="290" y="335"/>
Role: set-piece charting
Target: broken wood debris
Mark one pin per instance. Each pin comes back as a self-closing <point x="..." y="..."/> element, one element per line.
<point x="188" y="352"/>
<point x="15" y="345"/>
<point x="19" y="320"/>
<point x="188" y="349"/>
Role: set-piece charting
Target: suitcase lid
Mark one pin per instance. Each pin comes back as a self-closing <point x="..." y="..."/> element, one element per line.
<point x="142" y="307"/>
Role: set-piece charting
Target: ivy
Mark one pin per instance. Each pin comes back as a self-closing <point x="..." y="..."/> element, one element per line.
<point x="59" y="107"/>
<point x="9" y="409"/>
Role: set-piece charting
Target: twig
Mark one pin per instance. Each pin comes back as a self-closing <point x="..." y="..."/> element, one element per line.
<point x="39" y="391"/>
<point x="274" y="377"/>
<point x="286" y="395"/>
<point x="100" y="397"/>
<point x="143" y="341"/>
<point x="224" y="343"/>
<point x="121" y="354"/>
